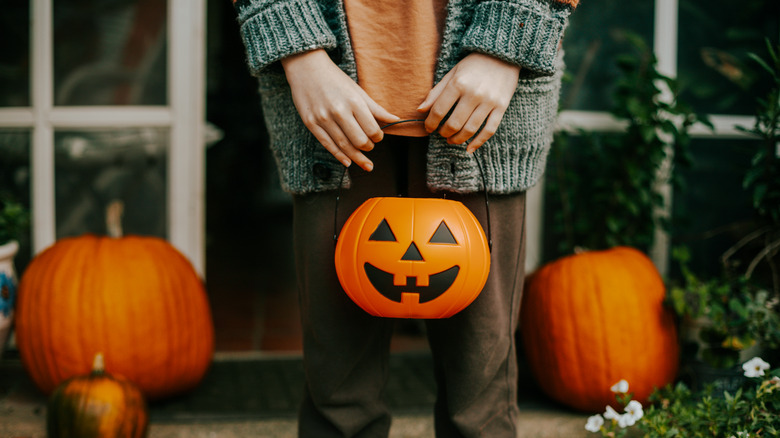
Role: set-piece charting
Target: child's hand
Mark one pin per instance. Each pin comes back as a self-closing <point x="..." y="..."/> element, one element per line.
<point x="334" y="108"/>
<point x="480" y="88"/>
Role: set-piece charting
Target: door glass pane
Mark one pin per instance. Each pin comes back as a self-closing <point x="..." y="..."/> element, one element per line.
<point x="595" y="36"/>
<point x="712" y="210"/>
<point x="15" y="55"/>
<point x="15" y="180"/>
<point x="94" y="168"/>
<point x="110" y="52"/>
<point x="715" y="37"/>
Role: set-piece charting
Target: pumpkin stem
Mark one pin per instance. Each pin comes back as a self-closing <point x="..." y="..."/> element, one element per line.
<point x="114" y="218"/>
<point x="98" y="365"/>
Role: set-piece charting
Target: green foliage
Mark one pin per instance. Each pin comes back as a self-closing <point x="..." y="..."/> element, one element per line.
<point x="751" y="411"/>
<point x="713" y="41"/>
<point x="607" y="187"/>
<point x="765" y="321"/>
<point x="13" y="219"/>
<point x="676" y="411"/>
<point x="736" y="313"/>
<point x="762" y="179"/>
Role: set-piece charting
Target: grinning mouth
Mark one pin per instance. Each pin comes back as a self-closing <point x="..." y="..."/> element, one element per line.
<point x="437" y="285"/>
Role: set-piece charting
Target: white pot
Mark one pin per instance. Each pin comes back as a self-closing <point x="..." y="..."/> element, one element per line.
<point x="8" y="283"/>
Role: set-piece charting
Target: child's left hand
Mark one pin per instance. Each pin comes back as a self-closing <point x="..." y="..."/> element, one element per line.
<point x="480" y="88"/>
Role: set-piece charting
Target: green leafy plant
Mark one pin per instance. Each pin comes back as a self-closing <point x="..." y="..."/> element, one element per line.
<point x="762" y="179"/>
<point x="14" y="219"/>
<point x="733" y="312"/>
<point x="751" y="411"/>
<point x="678" y="411"/>
<point x="737" y="308"/>
<point x="608" y="189"/>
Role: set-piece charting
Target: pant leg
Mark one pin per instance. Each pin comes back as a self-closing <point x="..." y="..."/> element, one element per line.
<point x="474" y="351"/>
<point x="345" y="350"/>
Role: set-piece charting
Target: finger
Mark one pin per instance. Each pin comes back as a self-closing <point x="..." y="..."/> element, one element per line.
<point x="322" y="136"/>
<point x="343" y="143"/>
<point x="434" y="94"/>
<point x="471" y="126"/>
<point x="368" y="121"/>
<point x="438" y="103"/>
<point x="379" y="112"/>
<point x="368" y="115"/>
<point x="463" y="110"/>
<point x="353" y="131"/>
<point x="490" y="128"/>
<point x="444" y="103"/>
<point x="370" y="128"/>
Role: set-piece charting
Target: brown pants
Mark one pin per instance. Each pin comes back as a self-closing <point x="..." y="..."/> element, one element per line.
<point x="346" y="350"/>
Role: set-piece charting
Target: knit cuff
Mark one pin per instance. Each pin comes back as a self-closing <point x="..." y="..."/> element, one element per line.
<point x="521" y="33"/>
<point x="281" y="30"/>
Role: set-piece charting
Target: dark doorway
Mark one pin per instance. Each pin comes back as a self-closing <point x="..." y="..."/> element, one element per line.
<point x="249" y="266"/>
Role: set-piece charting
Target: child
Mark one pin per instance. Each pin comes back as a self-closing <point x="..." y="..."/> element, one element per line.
<point x="481" y="75"/>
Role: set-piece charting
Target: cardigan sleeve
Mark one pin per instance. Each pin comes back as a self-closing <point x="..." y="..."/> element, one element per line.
<point x="523" y="32"/>
<point x="275" y="29"/>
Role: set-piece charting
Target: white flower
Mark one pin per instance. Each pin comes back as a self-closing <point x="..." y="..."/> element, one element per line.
<point x="594" y="423"/>
<point x="611" y="414"/>
<point x="755" y="367"/>
<point x="620" y="387"/>
<point x="626" y="420"/>
<point x="634" y="410"/>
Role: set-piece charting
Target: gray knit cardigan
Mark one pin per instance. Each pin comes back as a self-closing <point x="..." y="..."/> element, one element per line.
<point x="524" y="32"/>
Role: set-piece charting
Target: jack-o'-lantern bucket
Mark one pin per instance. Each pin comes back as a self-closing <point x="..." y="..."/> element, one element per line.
<point x="420" y="258"/>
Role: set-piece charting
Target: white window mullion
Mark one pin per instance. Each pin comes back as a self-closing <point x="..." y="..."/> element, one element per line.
<point x="665" y="36"/>
<point x="665" y="48"/>
<point x="16" y="118"/>
<point x="186" y="84"/>
<point x="42" y="150"/>
<point x="724" y="126"/>
<point x="109" y="116"/>
<point x="572" y="121"/>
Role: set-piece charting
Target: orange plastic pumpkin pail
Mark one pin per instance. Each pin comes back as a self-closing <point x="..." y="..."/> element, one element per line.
<point x="420" y="258"/>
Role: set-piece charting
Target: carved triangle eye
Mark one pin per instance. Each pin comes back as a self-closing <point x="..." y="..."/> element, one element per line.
<point x="443" y="235"/>
<point x="383" y="233"/>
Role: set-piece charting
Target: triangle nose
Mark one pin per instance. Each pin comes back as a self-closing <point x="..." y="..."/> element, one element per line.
<point x="412" y="254"/>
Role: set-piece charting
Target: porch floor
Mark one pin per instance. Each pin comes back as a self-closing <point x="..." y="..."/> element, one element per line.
<point x="256" y="395"/>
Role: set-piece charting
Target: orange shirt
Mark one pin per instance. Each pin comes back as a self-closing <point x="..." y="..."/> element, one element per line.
<point x="396" y="44"/>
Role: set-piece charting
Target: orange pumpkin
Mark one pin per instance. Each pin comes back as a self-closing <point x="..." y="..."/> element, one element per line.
<point x="594" y="318"/>
<point x="137" y="299"/>
<point x="95" y="406"/>
<point x="412" y="257"/>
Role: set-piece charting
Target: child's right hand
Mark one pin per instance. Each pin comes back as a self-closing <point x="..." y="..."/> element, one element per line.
<point x="334" y="108"/>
